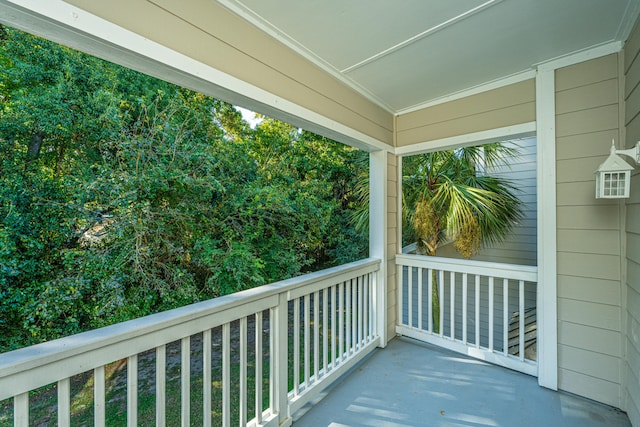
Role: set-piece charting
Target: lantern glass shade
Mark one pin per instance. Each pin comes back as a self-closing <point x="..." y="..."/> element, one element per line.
<point x="612" y="184"/>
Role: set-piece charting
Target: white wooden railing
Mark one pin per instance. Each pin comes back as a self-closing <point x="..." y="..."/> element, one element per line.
<point x="478" y="301"/>
<point x="307" y="331"/>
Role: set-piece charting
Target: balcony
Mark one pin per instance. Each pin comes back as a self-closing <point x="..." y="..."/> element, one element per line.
<point x="267" y="355"/>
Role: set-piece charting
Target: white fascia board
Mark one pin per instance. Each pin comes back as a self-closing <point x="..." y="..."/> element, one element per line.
<point x="77" y="28"/>
<point x="475" y="138"/>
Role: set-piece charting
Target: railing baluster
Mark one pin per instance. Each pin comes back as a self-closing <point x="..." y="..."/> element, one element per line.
<point x="306" y="346"/>
<point x="348" y="319"/>
<point x="132" y="391"/>
<point x="400" y="295"/>
<point x="420" y="298"/>
<point x="316" y="335"/>
<point x="491" y="313"/>
<point x="185" y="381"/>
<point x="372" y="320"/>
<point x="161" y="384"/>
<point x="64" y="403"/>
<point x="341" y="321"/>
<point x="21" y="410"/>
<point x="98" y="397"/>
<point x="325" y="330"/>
<point x="440" y="300"/>
<point x="452" y="306"/>
<point x="334" y="338"/>
<point x="354" y="313"/>
<point x="206" y="378"/>
<point x="465" y="307"/>
<point x="522" y="319"/>
<point x="243" y="372"/>
<point x="274" y="356"/>
<point x="226" y="375"/>
<point x="477" y="310"/>
<point x="505" y="316"/>
<point x="410" y="297"/>
<point x="430" y="298"/>
<point x="360" y="312"/>
<point x="296" y="346"/>
<point x="365" y="306"/>
<point x="259" y="361"/>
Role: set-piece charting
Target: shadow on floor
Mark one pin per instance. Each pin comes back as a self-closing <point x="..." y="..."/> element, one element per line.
<point x="415" y="384"/>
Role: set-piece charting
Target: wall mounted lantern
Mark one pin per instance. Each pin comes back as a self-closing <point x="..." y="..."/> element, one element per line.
<point x="614" y="175"/>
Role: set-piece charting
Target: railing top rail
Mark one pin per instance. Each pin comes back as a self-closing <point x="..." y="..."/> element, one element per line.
<point x="507" y="271"/>
<point x="50" y="352"/>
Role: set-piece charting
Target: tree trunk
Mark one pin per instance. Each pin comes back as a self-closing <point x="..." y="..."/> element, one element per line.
<point x="35" y="144"/>
<point x="435" y="295"/>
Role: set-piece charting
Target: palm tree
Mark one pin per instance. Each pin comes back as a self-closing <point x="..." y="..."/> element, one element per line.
<point x="447" y="197"/>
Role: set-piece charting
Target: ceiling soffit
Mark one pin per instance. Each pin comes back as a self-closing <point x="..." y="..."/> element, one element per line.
<point x="404" y="54"/>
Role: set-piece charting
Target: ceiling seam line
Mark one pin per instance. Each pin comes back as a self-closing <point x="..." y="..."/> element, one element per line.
<point x="422" y="35"/>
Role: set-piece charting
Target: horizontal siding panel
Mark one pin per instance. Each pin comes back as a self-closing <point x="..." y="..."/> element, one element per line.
<point x="633" y="224"/>
<point x="589" y="265"/>
<point x="633" y="306"/>
<point x="632" y="78"/>
<point x="580" y="169"/>
<point x="392" y="204"/>
<point x="590" y="363"/>
<point x="590" y="339"/>
<point x="589" y="314"/>
<point x="606" y="242"/>
<point x="588" y="289"/>
<point x="634" y="198"/>
<point x="632" y="105"/>
<point x="631" y="48"/>
<point x="633" y="404"/>
<point x="585" y="145"/>
<point x="496" y="99"/>
<point x="518" y="114"/>
<point x="587" y="121"/>
<point x="605" y="217"/>
<point x="633" y="245"/>
<point x="586" y="73"/>
<point x="585" y="97"/>
<point x="590" y="387"/>
<point x="633" y="276"/>
<point x="633" y="129"/>
<point x="580" y="194"/>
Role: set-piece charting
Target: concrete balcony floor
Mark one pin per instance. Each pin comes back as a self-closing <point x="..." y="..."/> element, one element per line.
<point x="415" y="384"/>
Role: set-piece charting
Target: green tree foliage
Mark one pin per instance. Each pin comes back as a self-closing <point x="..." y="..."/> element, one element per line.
<point x="122" y="195"/>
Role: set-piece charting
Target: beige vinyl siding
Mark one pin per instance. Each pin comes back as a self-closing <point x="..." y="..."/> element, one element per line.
<point x="632" y="315"/>
<point x="392" y="242"/>
<point x="505" y="106"/>
<point x="208" y="32"/>
<point x="588" y="233"/>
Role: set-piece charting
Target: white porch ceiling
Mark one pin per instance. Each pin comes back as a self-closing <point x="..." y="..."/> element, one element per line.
<point x="404" y="54"/>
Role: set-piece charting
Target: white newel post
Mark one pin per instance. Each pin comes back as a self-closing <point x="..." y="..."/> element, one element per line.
<point x="279" y="384"/>
<point x="378" y="237"/>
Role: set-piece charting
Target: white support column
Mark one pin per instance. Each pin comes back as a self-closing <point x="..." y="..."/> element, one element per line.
<point x="378" y="236"/>
<point x="547" y="253"/>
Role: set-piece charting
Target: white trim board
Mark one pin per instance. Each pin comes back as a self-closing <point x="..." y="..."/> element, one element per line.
<point x="547" y="301"/>
<point x="476" y="138"/>
<point x="72" y="26"/>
